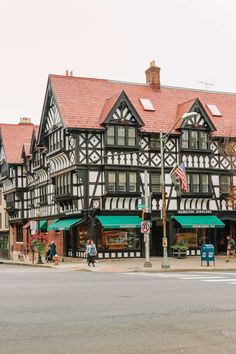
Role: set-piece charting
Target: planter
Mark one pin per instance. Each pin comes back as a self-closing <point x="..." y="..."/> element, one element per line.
<point x="179" y="254"/>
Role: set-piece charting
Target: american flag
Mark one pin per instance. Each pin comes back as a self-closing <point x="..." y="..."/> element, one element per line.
<point x="181" y="173"/>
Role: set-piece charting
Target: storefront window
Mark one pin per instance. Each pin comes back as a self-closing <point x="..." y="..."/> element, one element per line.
<point x="4" y="245"/>
<point x="82" y="237"/>
<point x="123" y="239"/>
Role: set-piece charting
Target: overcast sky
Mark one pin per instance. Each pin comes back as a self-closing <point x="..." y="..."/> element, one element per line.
<point x="191" y="40"/>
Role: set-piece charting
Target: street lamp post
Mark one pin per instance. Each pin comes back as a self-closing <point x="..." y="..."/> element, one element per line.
<point x="163" y="141"/>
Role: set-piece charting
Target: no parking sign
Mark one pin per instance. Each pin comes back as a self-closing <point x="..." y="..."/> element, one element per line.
<point x="145" y="227"/>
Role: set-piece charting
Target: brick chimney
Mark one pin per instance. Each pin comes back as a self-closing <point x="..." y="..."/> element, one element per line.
<point x="153" y="76"/>
<point x="25" y="120"/>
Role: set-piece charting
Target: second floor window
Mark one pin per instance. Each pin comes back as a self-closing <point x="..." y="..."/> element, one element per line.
<point x="198" y="183"/>
<point x="224" y="184"/>
<point x="63" y="184"/>
<point x="121" y="182"/>
<point x="43" y="194"/>
<point x="155" y="182"/>
<point x="154" y="142"/>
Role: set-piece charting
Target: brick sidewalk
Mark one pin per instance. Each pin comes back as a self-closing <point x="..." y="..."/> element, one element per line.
<point x="137" y="265"/>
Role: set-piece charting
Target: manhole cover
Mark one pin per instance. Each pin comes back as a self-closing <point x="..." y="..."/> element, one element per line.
<point x="229" y="333"/>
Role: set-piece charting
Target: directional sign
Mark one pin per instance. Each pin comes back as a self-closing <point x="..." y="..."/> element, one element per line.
<point x="145" y="227"/>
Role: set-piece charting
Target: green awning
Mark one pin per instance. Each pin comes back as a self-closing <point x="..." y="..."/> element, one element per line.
<point x="199" y="221"/>
<point x="65" y="224"/>
<point x="50" y="227"/>
<point x="120" y="222"/>
<point x="42" y="225"/>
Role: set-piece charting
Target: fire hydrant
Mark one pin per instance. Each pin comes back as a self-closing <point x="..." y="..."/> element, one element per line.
<point x="56" y="260"/>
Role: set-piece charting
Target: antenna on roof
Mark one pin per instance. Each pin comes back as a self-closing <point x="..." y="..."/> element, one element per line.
<point x="206" y="84"/>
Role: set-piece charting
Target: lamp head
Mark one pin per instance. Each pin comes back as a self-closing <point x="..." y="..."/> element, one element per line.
<point x="188" y="115"/>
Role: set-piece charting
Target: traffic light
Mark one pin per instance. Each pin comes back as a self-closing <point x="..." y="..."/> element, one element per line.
<point x="147" y="216"/>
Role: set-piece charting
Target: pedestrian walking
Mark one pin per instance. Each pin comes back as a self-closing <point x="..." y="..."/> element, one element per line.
<point x="230" y="247"/>
<point x="47" y="256"/>
<point x="87" y="251"/>
<point x="53" y="250"/>
<point x="91" y="252"/>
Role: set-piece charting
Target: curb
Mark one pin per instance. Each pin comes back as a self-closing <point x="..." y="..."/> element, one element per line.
<point x="182" y="270"/>
<point x="28" y="264"/>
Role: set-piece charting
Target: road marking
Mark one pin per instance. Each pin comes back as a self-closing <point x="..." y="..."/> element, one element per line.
<point x="199" y="278"/>
<point x="229" y="279"/>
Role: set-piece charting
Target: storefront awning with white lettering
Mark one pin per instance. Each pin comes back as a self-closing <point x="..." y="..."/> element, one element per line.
<point x="199" y="221"/>
<point x="120" y="221"/>
<point x="64" y="224"/>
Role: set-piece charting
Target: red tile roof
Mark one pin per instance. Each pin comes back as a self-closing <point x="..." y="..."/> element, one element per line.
<point x="14" y="136"/>
<point x="84" y="101"/>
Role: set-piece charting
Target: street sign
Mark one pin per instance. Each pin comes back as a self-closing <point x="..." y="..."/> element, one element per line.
<point x="145" y="227"/>
<point x="141" y="206"/>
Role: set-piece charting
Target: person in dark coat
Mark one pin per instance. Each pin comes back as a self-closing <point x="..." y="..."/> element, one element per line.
<point x="53" y="249"/>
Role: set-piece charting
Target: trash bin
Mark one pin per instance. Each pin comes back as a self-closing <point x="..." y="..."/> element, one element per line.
<point x="207" y="253"/>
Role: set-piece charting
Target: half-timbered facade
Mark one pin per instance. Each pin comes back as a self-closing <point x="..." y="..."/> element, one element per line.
<point x="13" y="181"/>
<point x="84" y="173"/>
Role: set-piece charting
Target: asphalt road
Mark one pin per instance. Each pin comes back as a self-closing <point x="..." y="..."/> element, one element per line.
<point x="48" y="311"/>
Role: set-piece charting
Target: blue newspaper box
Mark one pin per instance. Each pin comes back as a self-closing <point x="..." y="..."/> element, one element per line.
<point x="207" y="253"/>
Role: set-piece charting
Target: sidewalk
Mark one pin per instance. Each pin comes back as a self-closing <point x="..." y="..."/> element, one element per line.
<point x="137" y="265"/>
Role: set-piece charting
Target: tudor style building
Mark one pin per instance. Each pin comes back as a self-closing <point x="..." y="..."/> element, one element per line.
<point x="14" y="137"/>
<point x="85" y="169"/>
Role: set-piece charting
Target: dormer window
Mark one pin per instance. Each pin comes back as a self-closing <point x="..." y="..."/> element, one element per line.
<point x="194" y="139"/>
<point x="121" y="135"/>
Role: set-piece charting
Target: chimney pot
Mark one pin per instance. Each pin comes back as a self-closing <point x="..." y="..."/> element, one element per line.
<point x="71" y="73"/>
<point x="25" y="120"/>
<point x="67" y="72"/>
<point x="153" y="76"/>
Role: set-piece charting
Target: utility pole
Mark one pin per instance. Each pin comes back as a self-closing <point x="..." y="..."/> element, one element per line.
<point x="165" y="263"/>
<point x="147" y="263"/>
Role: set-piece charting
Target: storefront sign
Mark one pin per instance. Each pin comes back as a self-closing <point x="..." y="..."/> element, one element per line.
<point x="194" y="212"/>
<point x="127" y="226"/>
<point x="202" y="226"/>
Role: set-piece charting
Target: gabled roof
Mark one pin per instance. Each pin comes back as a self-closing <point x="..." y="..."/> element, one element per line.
<point x="82" y="102"/>
<point x="14" y="137"/>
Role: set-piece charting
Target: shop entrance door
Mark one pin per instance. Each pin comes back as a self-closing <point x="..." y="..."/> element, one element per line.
<point x="156" y="241"/>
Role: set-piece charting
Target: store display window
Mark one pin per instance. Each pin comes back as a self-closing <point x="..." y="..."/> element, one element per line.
<point x="123" y="239"/>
